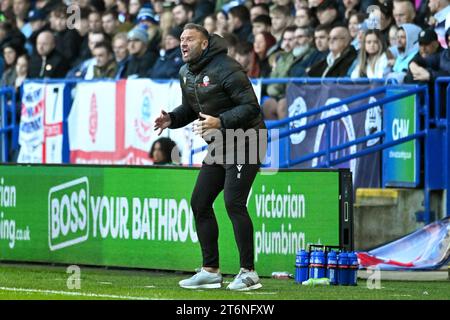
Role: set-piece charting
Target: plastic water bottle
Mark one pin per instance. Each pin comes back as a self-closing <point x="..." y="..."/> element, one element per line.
<point x="281" y="275"/>
<point x="343" y="269"/>
<point x="353" y="268"/>
<point x="332" y="268"/>
<point x="314" y="282"/>
<point x="317" y="265"/>
<point x="301" y="266"/>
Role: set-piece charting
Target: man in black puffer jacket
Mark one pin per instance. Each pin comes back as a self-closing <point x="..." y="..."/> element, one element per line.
<point x="217" y="92"/>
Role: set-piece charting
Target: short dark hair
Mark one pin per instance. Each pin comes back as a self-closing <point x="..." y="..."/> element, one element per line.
<point x="111" y="11"/>
<point x="231" y="39"/>
<point x="241" y="12"/>
<point x="104" y="44"/>
<point x="244" y="48"/>
<point x="284" y="10"/>
<point x="186" y="7"/>
<point x="199" y="28"/>
<point x="323" y="27"/>
<point x="264" y="19"/>
<point x="289" y="29"/>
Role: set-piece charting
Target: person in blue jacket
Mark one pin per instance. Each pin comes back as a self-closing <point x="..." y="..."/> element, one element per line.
<point x="170" y="61"/>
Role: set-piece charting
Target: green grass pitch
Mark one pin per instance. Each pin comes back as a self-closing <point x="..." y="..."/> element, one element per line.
<point x="32" y="281"/>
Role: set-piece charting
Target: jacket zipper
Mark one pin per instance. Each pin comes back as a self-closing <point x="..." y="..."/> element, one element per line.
<point x="195" y="91"/>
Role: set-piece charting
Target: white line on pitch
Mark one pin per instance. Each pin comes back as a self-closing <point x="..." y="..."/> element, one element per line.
<point x="80" y="294"/>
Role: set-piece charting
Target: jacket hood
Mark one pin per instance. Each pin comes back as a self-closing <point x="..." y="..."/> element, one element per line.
<point x="217" y="45"/>
<point x="412" y="36"/>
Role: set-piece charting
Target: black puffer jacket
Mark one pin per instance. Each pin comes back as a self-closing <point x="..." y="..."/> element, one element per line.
<point x="216" y="85"/>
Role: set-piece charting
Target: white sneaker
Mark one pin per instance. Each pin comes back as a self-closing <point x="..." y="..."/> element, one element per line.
<point x="202" y="280"/>
<point x="245" y="280"/>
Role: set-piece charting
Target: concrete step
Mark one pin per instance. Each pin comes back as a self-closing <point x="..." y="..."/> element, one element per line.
<point x="376" y="197"/>
<point x="383" y="215"/>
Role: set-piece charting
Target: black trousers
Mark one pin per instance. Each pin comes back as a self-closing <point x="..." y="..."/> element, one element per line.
<point x="235" y="181"/>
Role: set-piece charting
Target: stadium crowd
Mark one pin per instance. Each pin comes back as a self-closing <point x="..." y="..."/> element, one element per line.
<point x="88" y="39"/>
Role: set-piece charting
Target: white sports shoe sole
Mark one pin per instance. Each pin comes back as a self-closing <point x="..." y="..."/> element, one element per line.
<point x="253" y="287"/>
<point x="203" y="286"/>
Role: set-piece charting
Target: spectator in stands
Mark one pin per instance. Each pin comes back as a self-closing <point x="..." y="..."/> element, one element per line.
<point x="327" y="13"/>
<point x="142" y="58"/>
<point x="304" y="18"/>
<point x="68" y="41"/>
<point x="210" y="23"/>
<point x="133" y="9"/>
<point x="281" y="18"/>
<point x="321" y="40"/>
<point x="38" y="23"/>
<point x="441" y="18"/>
<point x="373" y="57"/>
<point x="19" y="75"/>
<point x="20" y="10"/>
<point x="170" y="61"/>
<point x="437" y="65"/>
<point x="272" y="109"/>
<point x="244" y="55"/>
<point x="6" y="9"/>
<point x="110" y="5"/>
<point x="95" y="22"/>
<point x="85" y="69"/>
<point x="110" y="22"/>
<point x="164" y="151"/>
<point x="304" y="52"/>
<point x="182" y="14"/>
<point x="387" y="20"/>
<point x="83" y="30"/>
<point x="221" y="23"/>
<point x="407" y="36"/>
<point x="202" y="8"/>
<point x="392" y="39"/>
<point x="9" y="33"/>
<point x="428" y="46"/>
<point x="232" y="43"/>
<point x="47" y="5"/>
<point x="22" y="65"/>
<point x="347" y="7"/>
<point x="356" y="27"/>
<point x="122" y="9"/>
<point x="47" y="62"/>
<point x="166" y="22"/>
<point x="239" y="22"/>
<point x="258" y="10"/>
<point x="341" y="56"/>
<point x="403" y="12"/>
<point x="263" y="47"/>
<point x="260" y="24"/>
<point x="11" y="51"/>
<point x="105" y="64"/>
<point x="150" y="21"/>
<point x="120" y="48"/>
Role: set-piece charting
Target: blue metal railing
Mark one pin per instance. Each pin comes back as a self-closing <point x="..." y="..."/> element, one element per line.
<point x="423" y="110"/>
<point x="329" y="150"/>
<point x="8" y="121"/>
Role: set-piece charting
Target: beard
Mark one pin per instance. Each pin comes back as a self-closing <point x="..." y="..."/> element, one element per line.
<point x="300" y="50"/>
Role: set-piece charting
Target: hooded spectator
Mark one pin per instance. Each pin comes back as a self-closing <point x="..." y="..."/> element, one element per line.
<point x="408" y="47"/>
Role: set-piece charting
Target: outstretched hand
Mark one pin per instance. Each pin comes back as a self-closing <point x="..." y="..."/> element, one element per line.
<point x="162" y="122"/>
